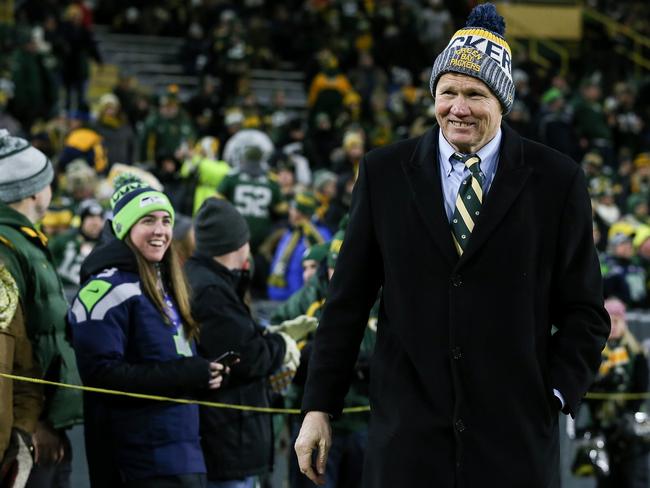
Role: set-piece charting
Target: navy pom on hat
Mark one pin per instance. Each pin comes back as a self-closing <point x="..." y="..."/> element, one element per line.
<point x="24" y="170"/>
<point x="480" y="50"/>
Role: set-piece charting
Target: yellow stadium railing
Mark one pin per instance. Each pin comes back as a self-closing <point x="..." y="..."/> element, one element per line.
<point x="534" y="46"/>
<point x="7" y="12"/>
<point x="614" y="28"/>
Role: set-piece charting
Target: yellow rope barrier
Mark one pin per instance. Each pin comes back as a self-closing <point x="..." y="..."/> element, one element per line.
<point x="246" y="408"/>
<point x="617" y="396"/>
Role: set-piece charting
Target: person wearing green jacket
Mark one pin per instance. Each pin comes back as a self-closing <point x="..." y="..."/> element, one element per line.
<point x="310" y="298"/>
<point x="351" y="430"/>
<point x="168" y="130"/>
<point x="25" y="177"/>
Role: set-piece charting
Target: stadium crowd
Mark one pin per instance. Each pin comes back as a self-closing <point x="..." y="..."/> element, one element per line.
<point x="290" y="172"/>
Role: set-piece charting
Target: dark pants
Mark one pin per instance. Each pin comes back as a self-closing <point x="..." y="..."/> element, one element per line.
<point x="76" y="89"/>
<point x="628" y="471"/>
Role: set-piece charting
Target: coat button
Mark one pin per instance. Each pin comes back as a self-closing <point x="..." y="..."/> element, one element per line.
<point x="460" y="426"/>
<point x="457" y="280"/>
<point x="456" y="353"/>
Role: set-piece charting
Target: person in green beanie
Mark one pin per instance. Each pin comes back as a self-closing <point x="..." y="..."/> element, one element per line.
<point x="350" y="431"/>
<point x="303" y="233"/>
<point x="132" y="330"/>
<point x="25" y="193"/>
<point x="312" y="258"/>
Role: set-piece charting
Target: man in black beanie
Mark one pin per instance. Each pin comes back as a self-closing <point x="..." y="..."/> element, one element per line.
<point x="235" y="447"/>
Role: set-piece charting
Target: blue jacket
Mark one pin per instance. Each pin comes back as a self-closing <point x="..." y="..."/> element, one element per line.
<point x="293" y="274"/>
<point x="123" y="343"/>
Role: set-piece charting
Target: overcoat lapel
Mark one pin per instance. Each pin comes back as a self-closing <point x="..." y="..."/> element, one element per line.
<point x="423" y="174"/>
<point x="508" y="182"/>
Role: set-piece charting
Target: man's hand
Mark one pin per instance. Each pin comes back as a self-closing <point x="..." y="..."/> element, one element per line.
<point x="315" y="433"/>
<point x="49" y="447"/>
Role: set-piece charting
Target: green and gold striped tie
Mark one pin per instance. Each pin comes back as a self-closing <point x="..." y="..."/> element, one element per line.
<point x="468" y="201"/>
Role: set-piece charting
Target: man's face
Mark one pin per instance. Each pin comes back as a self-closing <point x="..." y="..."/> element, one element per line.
<point x="92" y="226"/>
<point x="242" y="256"/>
<point x="624" y="250"/>
<point x="41" y="201"/>
<point x="467" y="111"/>
<point x="355" y="151"/>
<point x="309" y="268"/>
<point x="296" y="217"/>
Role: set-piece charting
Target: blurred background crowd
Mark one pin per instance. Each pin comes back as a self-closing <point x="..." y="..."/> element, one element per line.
<point x="273" y="104"/>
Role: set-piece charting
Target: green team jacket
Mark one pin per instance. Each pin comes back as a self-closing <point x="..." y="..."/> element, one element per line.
<point x="162" y="136"/>
<point x="257" y="198"/>
<point x="309" y="300"/>
<point x="24" y="251"/>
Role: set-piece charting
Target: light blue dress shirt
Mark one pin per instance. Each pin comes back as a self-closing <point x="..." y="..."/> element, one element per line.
<point x="452" y="174"/>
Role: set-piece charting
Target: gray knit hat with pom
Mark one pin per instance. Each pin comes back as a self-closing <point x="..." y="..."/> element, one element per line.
<point x="479" y="50"/>
<point x="24" y="170"/>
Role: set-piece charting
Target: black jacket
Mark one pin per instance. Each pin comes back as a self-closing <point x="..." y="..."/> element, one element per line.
<point x="462" y="378"/>
<point x="236" y="444"/>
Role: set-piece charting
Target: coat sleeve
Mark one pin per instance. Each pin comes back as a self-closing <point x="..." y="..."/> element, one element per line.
<point x="226" y="325"/>
<point x="297" y="304"/>
<point x="576" y="301"/>
<point x="352" y="291"/>
<point x="28" y="397"/>
<point x="21" y="402"/>
<point x="101" y="346"/>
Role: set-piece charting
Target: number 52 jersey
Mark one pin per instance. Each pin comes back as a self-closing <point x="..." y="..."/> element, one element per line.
<point x="258" y="199"/>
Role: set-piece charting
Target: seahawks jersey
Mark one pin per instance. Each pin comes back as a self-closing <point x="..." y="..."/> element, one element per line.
<point x="257" y="198"/>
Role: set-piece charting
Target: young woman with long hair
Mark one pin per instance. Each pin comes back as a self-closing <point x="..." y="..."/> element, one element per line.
<point x="132" y="331"/>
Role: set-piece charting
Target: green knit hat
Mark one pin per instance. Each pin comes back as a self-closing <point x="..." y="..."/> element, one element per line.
<point x="132" y="200"/>
<point x="317" y="252"/>
<point x="305" y="202"/>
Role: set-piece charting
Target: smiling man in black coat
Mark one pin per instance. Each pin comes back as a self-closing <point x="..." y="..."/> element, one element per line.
<point x="482" y="242"/>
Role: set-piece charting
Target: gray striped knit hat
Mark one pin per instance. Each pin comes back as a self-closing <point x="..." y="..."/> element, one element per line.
<point x="479" y="50"/>
<point x="24" y="170"/>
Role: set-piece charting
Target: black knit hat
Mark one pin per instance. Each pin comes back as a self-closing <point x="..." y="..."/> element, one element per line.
<point x="219" y="228"/>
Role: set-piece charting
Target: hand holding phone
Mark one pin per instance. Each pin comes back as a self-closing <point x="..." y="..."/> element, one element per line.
<point x="228" y="358"/>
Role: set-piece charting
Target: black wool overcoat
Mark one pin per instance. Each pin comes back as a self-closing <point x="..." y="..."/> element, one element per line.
<point x="465" y="362"/>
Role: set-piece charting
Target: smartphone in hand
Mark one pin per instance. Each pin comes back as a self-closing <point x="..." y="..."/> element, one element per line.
<point x="228" y="358"/>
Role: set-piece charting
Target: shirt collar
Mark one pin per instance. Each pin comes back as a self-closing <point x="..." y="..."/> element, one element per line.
<point x="488" y="153"/>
